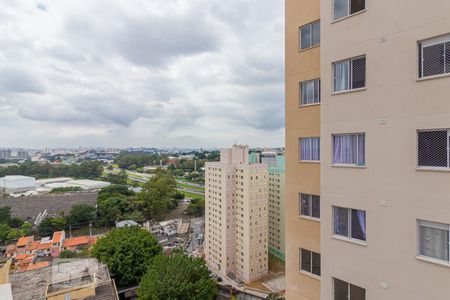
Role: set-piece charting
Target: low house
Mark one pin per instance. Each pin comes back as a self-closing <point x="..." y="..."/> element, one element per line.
<point x="22" y="244"/>
<point x="58" y="238"/>
<point x="11" y="251"/>
<point x="78" y="243"/>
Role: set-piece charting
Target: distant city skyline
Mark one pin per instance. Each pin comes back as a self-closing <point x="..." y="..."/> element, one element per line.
<point x="162" y="73"/>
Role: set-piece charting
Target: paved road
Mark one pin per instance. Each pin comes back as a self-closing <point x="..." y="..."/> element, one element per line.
<point x="198" y="226"/>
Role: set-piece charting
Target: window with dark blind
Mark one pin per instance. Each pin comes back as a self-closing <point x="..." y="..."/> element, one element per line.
<point x="343" y="8"/>
<point x="433" y="148"/>
<point x="434" y="56"/>
<point x="349" y="74"/>
<point x="347" y="291"/>
<point x="310" y="262"/>
<point x="434" y="240"/>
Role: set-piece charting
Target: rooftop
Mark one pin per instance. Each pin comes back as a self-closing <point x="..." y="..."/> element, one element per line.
<point x="23" y="241"/>
<point x="75" y="241"/>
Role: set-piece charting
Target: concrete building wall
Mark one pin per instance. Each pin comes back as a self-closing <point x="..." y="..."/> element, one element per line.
<point x="277" y="180"/>
<point x="390" y="110"/>
<point x="301" y="177"/>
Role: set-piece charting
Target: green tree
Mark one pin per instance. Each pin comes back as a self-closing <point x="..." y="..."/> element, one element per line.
<point x="5" y="215"/>
<point x="177" y="277"/>
<point x="50" y="225"/>
<point x="157" y="195"/>
<point x="120" y="178"/>
<point x="127" y="252"/>
<point x="81" y="213"/>
<point x="196" y="208"/>
<point x="4" y="232"/>
<point x="113" y="190"/>
<point x="113" y="209"/>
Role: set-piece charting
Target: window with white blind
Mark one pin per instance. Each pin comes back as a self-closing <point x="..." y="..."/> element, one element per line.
<point x="310" y="149"/>
<point x="349" y="74"/>
<point x="343" y="8"/>
<point x="349" y="223"/>
<point x="309" y="35"/>
<point x="309" y="205"/>
<point x="433" y="148"/>
<point x="347" y="291"/>
<point x="433" y="240"/>
<point x="310" y="92"/>
<point x="434" y="56"/>
<point x="310" y="262"/>
<point x="349" y="149"/>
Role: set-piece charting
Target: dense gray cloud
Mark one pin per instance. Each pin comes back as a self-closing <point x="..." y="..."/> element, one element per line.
<point x="141" y="73"/>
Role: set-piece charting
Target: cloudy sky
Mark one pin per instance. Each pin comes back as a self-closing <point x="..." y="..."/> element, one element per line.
<point x="164" y="73"/>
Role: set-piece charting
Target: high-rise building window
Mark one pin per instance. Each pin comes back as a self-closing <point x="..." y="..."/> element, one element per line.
<point x="349" y="149"/>
<point x="347" y="291"/>
<point x="310" y="262"/>
<point x="349" y="74"/>
<point x="343" y="8"/>
<point x="310" y="206"/>
<point x="433" y="240"/>
<point x="433" y="148"/>
<point x="310" y="92"/>
<point x="434" y="56"/>
<point x="349" y="223"/>
<point x="309" y="35"/>
<point x="310" y="149"/>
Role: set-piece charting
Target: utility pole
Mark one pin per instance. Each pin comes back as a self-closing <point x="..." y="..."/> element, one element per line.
<point x="90" y="228"/>
<point x="195" y="165"/>
<point x="70" y="230"/>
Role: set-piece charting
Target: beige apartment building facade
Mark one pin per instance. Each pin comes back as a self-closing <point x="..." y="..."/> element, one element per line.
<point x="384" y="150"/>
<point x="302" y="207"/>
<point x="236" y="216"/>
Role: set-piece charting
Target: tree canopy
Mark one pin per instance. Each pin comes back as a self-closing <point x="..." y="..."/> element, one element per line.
<point x="86" y="169"/>
<point x="50" y="225"/>
<point x="81" y="213"/>
<point x="177" y="277"/>
<point x="127" y="252"/>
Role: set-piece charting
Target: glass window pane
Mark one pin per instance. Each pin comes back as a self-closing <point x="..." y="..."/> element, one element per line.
<point x="341" y="76"/>
<point x="304" y="93"/>
<point x="340" y="9"/>
<point x="341" y="221"/>
<point x="357" y="5"/>
<point x="433" y="60"/>
<point x="305" y="37"/>
<point x="305" y="209"/>
<point x="315" y="207"/>
<point x="305" y="148"/>
<point x="357" y="293"/>
<point x="316" y="33"/>
<point x="361" y="149"/>
<point x="358" y="222"/>
<point x="432" y="148"/>
<point x="305" y="260"/>
<point x="359" y="73"/>
<point x="315" y="149"/>
<point x="340" y="290"/>
<point x="309" y="92"/>
<point x="434" y="242"/>
<point x="316" y="263"/>
<point x="317" y="91"/>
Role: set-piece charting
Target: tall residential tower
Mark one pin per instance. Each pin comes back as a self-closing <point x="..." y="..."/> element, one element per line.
<point x="236" y="215"/>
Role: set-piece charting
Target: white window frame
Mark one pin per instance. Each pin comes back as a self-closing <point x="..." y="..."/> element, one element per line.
<point x="349" y="225"/>
<point x="348" y="288"/>
<point x="310" y="202"/>
<point x="358" y="134"/>
<point x="350" y="74"/>
<point x="315" y="83"/>
<point x="310" y="25"/>
<point x="432" y="42"/>
<point x="435" y="225"/>
<point x="448" y="149"/>
<point x="310" y="149"/>
<point x="311" y="263"/>
<point x="349" y="9"/>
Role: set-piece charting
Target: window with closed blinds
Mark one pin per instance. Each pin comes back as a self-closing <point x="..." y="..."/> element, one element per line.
<point x="434" y="56"/>
<point x="434" y="240"/>
<point x="349" y="149"/>
<point x="433" y="148"/>
<point x="310" y="149"/>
